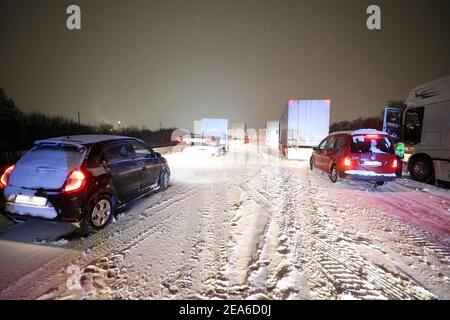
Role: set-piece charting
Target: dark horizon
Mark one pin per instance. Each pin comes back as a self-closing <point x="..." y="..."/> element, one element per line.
<point x="146" y="62"/>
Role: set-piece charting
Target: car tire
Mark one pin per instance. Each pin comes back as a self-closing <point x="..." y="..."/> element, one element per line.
<point x="99" y="214"/>
<point x="380" y="183"/>
<point x="164" y="180"/>
<point x="334" y="173"/>
<point x="16" y="219"/>
<point x="421" y="169"/>
<point x="311" y="163"/>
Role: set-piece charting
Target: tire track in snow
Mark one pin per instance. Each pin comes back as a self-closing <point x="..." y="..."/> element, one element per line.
<point x="340" y="263"/>
<point x="405" y="202"/>
<point x="53" y="274"/>
<point x="421" y="238"/>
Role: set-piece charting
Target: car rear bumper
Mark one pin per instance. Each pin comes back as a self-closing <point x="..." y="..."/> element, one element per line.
<point x="58" y="207"/>
<point x="369" y="176"/>
<point x="23" y="210"/>
<point x="47" y="213"/>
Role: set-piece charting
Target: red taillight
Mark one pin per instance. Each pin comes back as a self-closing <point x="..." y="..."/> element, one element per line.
<point x="395" y="164"/>
<point x="347" y="162"/>
<point x="372" y="136"/>
<point x="75" y="181"/>
<point x="5" y="176"/>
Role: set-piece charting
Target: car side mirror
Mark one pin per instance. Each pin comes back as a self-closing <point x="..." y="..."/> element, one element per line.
<point x="315" y="149"/>
<point x="157" y="155"/>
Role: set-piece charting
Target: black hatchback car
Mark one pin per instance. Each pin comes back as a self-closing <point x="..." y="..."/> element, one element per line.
<point x="82" y="179"/>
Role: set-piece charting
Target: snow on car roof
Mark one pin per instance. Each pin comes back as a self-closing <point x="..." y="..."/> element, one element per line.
<point x="361" y="131"/>
<point x="369" y="131"/>
<point x="83" y="139"/>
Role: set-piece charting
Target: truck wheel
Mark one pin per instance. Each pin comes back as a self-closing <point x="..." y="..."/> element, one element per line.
<point x="311" y="163"/>
<point x="99" y="214"/>
<point x="421" y="169"/>
<point x="334" y="174"/>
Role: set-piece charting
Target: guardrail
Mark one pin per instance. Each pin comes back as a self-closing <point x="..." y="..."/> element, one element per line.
<point x="164" y="150"/>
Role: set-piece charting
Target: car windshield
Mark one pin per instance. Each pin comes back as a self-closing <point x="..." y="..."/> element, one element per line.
<point x="366" y="144"/>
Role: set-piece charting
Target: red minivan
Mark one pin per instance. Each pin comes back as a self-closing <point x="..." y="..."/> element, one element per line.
<point x="365" y="154"/>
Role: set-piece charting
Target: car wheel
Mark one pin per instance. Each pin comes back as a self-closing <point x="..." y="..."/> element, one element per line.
<point x="311" y="163"/>
<point x="380" y="183"/>
<point x="421" y="169"/>
<point x="99" y="214"/>
<point x="164" y="180"/>
<point x="16" y="219"/>
<point x="334" y="174"/>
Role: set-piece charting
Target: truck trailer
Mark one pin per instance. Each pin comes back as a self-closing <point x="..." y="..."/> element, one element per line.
<point x="215" y="131"/>
<point x="303" y="125"/>
<point x="237" y="130"/>
<point x="272" y="134"/>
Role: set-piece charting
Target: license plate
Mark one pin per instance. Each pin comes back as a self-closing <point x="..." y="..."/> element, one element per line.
<point x="372" y="163"/>
<point x="35" y="201"/>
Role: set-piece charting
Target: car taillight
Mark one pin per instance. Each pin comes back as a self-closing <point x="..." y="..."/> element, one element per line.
<point x="395" y="164"/>
<point x="347" y="162"/>
<point x="75" y="181"/>
<point x="372" y="136"/>
<point x="5" y="176"/>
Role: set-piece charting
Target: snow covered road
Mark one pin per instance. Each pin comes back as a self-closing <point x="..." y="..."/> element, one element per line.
<point x="244" y="226"/>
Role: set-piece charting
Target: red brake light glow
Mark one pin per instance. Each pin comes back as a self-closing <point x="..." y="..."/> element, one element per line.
<point x="347" y="162"/>
<point x="372" y="136"/>
<point x="75" y="181"/>
<point x="395" y="164"/>
<point x="5" y="176"/>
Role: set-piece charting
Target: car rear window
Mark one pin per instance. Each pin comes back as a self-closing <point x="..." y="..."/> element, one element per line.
<point x="47" y="166"/>
<point x="56" y="156"/>
<point x="365" y="144"/>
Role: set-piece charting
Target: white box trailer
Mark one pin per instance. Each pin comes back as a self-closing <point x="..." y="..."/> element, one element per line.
<point x="237" y="131"/>
<point x="216" y="131"/>
<point x="303" y="125"/>
<point x="272" y="134"/>
<point x="423" y="124"/>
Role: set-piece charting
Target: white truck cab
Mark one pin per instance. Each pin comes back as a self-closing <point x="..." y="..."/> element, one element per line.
<point x="423" y="124"/>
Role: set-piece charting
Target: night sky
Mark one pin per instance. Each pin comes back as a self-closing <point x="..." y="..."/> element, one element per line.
<point x="146" y="62"/>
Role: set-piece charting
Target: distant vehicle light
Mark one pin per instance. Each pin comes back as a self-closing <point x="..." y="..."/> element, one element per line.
<point x="75" y="181"/>
<point x="5" y="176"/>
